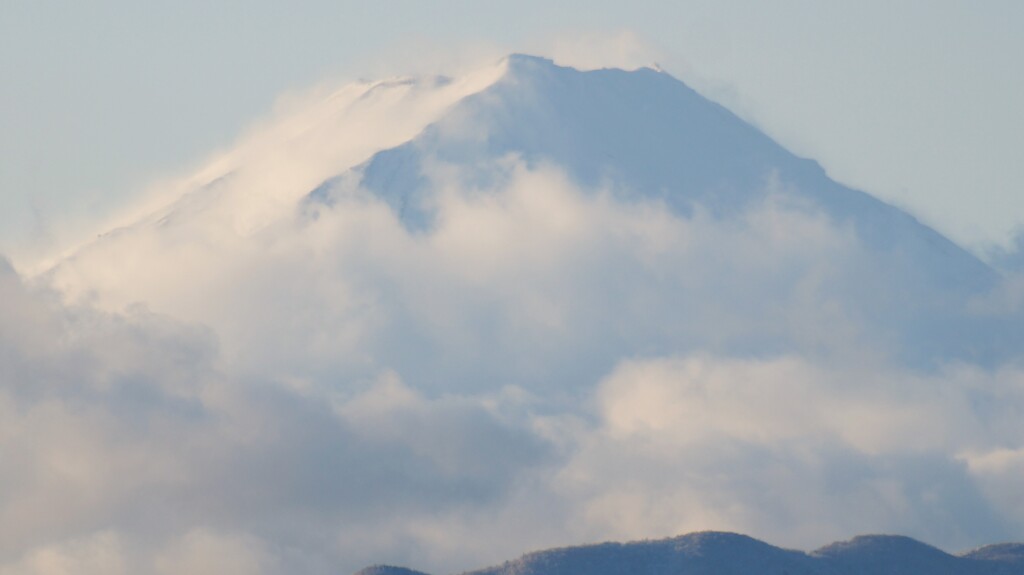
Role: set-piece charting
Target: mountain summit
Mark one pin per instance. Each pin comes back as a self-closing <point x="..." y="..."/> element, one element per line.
<point x="649" y="135"/>
<point x="640" y="137"/>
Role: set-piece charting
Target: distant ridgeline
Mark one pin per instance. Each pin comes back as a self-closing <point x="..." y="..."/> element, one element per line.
<point x="714" y="553"/>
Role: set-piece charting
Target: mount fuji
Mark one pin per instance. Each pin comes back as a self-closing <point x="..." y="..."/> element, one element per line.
<point x="437" y="321"/>
<point x="636" y="138"/>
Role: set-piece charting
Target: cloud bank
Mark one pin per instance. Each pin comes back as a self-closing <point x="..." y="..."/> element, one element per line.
<point x="320" y="386"/>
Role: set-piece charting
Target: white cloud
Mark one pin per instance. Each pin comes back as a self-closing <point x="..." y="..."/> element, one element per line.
<point x="126" y="447"/>
<point x="545" y="363"/>
<point x="205" y="552"/>
<point x="797" y="452"/>
<point x="97" y="554"/>
<point x="352" y="290"/>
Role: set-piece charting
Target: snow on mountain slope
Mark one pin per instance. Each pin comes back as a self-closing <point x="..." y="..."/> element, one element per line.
<point x="260" y="181"/>
<point x="641" y="138"/>
<point x="644" y="133"/>
<point x="647" y="137"/>
<point x="651" y="136"/>
<point x="437" y="322"/>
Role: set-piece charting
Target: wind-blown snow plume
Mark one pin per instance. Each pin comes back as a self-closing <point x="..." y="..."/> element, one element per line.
<point x="443" y="321"/>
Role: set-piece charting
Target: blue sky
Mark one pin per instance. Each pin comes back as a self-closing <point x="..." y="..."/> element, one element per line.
<point x="916" y="102"/>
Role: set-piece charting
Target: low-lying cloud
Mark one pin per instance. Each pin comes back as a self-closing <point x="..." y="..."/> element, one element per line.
<point x="545" y="365"/>
<point x="750" y="444"/>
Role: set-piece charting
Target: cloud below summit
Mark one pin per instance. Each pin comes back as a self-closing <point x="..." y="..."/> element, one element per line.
<point x="546" y="361"/>
<point x="397" y="385"/>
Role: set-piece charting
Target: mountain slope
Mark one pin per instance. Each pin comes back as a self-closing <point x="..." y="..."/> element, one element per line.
<point x="642" y="138"/>
<point x="652" y="136"/>
<point x="1009" y="553"/>
<point x="648" y="137"/>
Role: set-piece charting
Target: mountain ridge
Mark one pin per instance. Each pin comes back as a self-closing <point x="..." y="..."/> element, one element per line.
<point x="727" y="553"/>
<point x="694" y="152"/>
<point x="643" y="136"/>
<point x="647" y="136"/>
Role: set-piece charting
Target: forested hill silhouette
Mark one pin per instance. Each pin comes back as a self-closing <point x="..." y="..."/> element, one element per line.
<point x="718" y="553"/>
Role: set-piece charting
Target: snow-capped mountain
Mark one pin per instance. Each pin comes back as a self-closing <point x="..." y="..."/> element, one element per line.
<point x="641" y="138"/>
<point x="647" y="135"/>
<point x="436" y="321"/>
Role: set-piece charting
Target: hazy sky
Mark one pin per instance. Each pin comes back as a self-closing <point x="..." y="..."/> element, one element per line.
<point x="917" y="102"/>
<point x="261" y="380"/>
